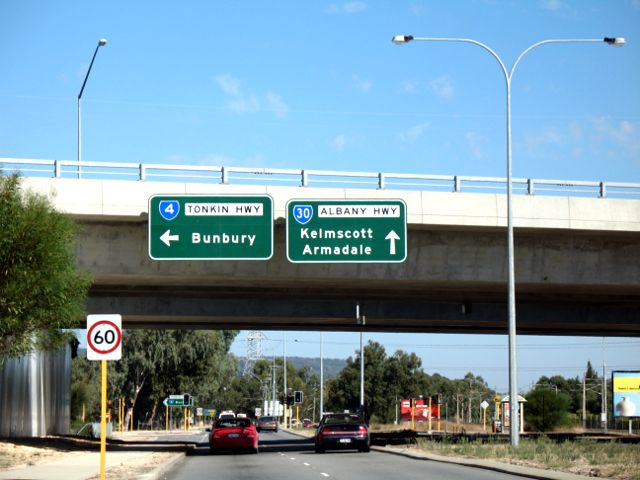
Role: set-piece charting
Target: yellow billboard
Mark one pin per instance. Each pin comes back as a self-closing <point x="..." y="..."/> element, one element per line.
<point x="626" y="393"/>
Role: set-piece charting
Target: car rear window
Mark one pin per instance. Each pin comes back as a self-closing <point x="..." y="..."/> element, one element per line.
<point x="266" y="419"/>
<point x="342" y="419"/>
<point x="233" y="422"/>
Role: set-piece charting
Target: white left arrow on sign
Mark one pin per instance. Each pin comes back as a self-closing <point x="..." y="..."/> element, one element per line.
<point x="167" y="238"/>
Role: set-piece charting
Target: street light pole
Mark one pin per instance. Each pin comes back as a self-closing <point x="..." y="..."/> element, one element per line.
<point x="361" y="321"/>
<point x="321" y="376"/>
<point x="514" y="429"/>
<point x="284" y="365"/>
<point x="101" y="43"/>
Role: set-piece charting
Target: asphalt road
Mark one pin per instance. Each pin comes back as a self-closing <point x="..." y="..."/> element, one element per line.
<point x="287" y="457"/>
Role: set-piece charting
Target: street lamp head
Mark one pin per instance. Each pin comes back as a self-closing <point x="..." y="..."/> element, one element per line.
<point x="615" y="41"/>
<point x="102" y="42"/>
<point x="400" y="39"/>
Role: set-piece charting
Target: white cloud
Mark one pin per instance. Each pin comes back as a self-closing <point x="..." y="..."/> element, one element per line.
<point x="410" y="86"/>
<point x="240" y="101"/>
<point x="442" y="87"/>
<point x="624" y="133"/>
<point x="339" y="142"/>
<point x="228" y="84"/>
<point x="346" y="8"/>
<point x="418" y="10"/>
<point x="244" y="104"/>
<point x="363" y="85"/>
<point x="476" y="144"/>
<point x="552" y="4"/>
<point x="276" y="105"/>
<point x="415" y="132"/>
<point x="597" y="138"/>
<point x="534" y="142"/>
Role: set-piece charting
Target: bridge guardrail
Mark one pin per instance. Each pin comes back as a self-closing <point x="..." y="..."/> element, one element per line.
<point x="312" y="178"/>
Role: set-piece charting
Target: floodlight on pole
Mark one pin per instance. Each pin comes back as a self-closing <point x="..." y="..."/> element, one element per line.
<point x="102" y="42"/>
<point x="514" y="429"/>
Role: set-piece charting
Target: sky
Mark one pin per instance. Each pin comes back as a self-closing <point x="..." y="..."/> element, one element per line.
<point x="320" y="85"/>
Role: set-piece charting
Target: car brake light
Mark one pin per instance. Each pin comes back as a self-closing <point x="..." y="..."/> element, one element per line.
<point x="362" y="430"/>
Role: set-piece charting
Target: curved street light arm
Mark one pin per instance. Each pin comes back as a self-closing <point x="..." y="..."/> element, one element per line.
<point x="508" y="74"/>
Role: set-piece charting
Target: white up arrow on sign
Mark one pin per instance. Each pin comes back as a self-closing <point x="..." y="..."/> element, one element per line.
<point x="392" y="236"/>
<point x="167" y="238"/>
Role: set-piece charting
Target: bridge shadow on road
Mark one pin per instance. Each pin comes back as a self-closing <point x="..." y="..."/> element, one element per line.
<point x="265" y="445"/>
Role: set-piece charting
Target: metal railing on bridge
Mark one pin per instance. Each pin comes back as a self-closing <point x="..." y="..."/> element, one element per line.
<point x="311" y="178"/>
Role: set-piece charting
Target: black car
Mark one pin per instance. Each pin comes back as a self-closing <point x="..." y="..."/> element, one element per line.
<point x="342" y="431"/>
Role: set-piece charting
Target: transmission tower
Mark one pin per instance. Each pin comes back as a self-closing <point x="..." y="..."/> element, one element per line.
<point x="254" y="351"/>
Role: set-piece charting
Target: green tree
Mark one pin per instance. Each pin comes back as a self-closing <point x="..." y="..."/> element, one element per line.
<point x="401" y="376"/>
<point x="40" y="290"/>
<point x="547" y="409"/>
<point x="158" y="363"/>
<point x="386" y="380"/>
<point x="85" y="389"/>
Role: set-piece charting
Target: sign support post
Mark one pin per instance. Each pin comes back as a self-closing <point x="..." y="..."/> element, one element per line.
<point x="104" y="342"/>
<point x="103" y="421"/>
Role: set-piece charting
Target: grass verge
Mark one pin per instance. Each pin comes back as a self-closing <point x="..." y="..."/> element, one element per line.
<point x="585" y="457"/>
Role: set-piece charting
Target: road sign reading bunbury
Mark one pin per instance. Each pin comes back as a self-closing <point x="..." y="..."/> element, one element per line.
<point x="204" y="227"/>
<point x="346" y="231"/>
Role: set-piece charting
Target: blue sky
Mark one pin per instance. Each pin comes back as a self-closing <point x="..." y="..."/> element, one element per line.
<point x="319" y="85"/>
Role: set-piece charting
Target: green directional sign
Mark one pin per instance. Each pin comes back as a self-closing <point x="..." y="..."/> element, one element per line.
<point x="203" y="227"/>
<point x="346" y="231"/>
<point x="173" y="402"/>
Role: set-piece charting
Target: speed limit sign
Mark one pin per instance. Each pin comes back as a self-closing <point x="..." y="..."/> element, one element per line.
<point x="104" y="337"/>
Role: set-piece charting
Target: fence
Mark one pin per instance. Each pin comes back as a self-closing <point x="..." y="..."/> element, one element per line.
<point x="312" y="178"/>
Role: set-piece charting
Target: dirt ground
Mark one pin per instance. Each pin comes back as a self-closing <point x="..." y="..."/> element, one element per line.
<point x="137" y="468"/>
<point x="14" y="455"/>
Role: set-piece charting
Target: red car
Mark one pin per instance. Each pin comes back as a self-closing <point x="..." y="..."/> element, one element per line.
<point x="233" y="433"/>
<point x="267" y="423"/>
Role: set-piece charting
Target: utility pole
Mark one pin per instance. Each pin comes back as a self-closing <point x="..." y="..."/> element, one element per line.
<point x="273" y="386"/>
<point x="604" y="388"/>
<point x="286" y="412"/>
<point x="396" y="422"/>
<point x="604" y="396"/>
<point x="361" y="321"/>
<point x="321" y="376"/>
<point x="584" y="401"/>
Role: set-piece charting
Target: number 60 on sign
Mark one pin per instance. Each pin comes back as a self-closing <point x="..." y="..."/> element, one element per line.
<point x="104" y="337"/>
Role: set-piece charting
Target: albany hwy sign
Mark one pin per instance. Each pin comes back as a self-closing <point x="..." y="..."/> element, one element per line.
<point x="346" y="231"/>
<point x="203" y="227"/>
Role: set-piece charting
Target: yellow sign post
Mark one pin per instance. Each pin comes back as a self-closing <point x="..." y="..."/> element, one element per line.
<point x="103" y="421"/>
<point x="104" y="342"/>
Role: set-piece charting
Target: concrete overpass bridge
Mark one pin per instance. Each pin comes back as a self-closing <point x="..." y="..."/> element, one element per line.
<point x="577" y="258"/>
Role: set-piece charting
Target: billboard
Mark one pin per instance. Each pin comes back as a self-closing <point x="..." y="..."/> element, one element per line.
<point x="420" y="410"/>
<point x="626" y="393"/>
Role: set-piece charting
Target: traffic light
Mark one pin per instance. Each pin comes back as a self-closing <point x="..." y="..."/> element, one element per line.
<point x="297" y="396"/>
<point x="186" y="401"/>
<point x="290" y="399"/>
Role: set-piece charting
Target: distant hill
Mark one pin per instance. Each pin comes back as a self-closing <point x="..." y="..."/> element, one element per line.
<point x="331" y="366"/>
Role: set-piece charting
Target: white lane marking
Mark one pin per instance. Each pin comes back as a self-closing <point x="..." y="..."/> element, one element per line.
<point x="292" y="458"/>
<point x="324" y="474"/>
<point x="306" y="464"/>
